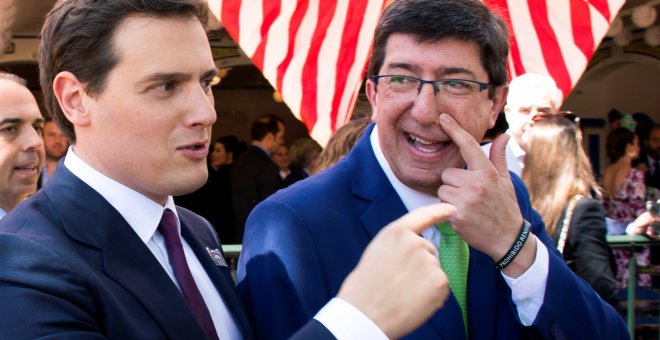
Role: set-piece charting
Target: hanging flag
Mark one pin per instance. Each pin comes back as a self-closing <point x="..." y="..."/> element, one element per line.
<point x="313" y="52"/>
<point x="555" y="37"/>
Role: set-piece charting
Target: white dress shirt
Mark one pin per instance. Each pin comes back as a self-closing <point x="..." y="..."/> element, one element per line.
<point x="515" y="155"/>
<point x="528" y="290"/>
<point x="144" y="215"/>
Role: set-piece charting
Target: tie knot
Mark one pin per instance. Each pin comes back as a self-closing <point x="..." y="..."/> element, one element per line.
<point x="167" y="227"/>
<point x="445" y="229"/>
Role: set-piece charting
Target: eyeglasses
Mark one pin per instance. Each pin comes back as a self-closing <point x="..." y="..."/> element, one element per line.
<point x="409" y="85"/>
<point x="564" y="114"/>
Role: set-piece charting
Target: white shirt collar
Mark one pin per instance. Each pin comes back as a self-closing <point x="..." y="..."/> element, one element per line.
<point x="517" y="150"/>
<point x="141" y="213"/>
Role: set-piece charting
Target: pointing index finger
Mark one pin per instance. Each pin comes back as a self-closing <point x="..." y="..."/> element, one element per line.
<point x="421" y="218"/>
<point x="469" y="147"/>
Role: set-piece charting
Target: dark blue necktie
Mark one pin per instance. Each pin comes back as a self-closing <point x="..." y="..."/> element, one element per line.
<point x="193" y="297"/>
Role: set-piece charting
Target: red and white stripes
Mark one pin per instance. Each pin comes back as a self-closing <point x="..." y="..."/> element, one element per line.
<point x="314" y="52"/>
<point x="555" y="37"/>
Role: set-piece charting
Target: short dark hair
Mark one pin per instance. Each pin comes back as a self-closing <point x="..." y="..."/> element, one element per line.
<point x="430" y="21"/>
<point x="78" y="37"/>
<point x="617" y="140"/>
<point x="230" y="142"/>
<point x="265" y="124"/>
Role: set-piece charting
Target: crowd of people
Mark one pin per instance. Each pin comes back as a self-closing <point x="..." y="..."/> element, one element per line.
<point x="114" y="209"/>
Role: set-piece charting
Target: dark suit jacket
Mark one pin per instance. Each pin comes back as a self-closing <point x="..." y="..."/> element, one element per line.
<point x="650" y="180"/>
<point x="297" y="174"/>
<point x="302" y="242"/>
<point x="586" y="250"/>
<point x="254" y="176"/>
<point x="70" y="266"/>
<point x="213" y="201"/>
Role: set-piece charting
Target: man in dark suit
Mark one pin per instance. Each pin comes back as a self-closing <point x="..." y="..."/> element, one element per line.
<point x="437" y="81"/>
<point x="254" y="175"/>
<point x="652" y="143"/>
<point x="102" y="251"/>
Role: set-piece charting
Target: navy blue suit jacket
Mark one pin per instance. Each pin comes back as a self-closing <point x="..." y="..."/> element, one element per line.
<point x="72" y="267"/>
<point x="302" y="242"/>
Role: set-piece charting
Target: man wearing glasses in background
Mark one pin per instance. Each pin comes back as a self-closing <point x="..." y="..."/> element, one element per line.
<point x="437" y="81"/>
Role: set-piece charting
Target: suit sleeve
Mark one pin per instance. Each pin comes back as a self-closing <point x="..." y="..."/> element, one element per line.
<point x="286" y="304"/>
<point x="570" y="306"/>
<point x="37" y="286"/>
<point x="590" y="255"/>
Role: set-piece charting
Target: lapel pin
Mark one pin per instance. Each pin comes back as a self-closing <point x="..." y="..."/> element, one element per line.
<point x="216" y="256"/>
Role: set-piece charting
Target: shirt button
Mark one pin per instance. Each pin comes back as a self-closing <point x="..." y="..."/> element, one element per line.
<point x="526" y="302"/>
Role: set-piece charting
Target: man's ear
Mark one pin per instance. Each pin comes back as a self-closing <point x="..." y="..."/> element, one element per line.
<point x="71" y="94"/>
<point x="373" y="98"/>
<point x="498" y="102"/>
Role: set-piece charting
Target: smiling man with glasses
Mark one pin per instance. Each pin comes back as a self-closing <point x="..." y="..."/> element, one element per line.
<point x="506" y="280"/>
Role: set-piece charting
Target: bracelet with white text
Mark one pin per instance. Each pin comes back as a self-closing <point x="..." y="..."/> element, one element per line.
<point x="517" y="246"/>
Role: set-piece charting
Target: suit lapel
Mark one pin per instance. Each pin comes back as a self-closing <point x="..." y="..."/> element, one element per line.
<point x="126" y="258"/>
<point x="220" y="276"/>
<point x="368" y="181"/>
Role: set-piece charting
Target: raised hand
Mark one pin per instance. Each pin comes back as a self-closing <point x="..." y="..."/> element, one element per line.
<point x="398" y="282"/>
<point x="486" y="212"/>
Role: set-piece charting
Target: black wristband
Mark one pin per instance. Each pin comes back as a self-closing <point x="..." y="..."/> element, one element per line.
<point x="517" y="246"/>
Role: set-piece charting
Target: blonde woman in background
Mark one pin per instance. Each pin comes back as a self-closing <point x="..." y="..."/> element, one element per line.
<point x="563" y="190"/>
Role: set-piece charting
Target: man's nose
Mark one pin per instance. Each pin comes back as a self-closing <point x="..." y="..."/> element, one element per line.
<point x="425" y="106"/>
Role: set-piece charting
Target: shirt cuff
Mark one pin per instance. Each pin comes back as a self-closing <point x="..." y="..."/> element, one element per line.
<point x="528" y="290"/>
<point x="345" y="321"/>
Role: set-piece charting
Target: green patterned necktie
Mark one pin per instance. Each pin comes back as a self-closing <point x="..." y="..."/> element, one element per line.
<point x="455" y="260"/>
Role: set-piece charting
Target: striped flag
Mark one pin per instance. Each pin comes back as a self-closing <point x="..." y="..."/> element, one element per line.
<point x="555" y="37"/>
<point x="314" y="52"/>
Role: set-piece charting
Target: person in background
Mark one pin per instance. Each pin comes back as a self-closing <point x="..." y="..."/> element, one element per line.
<point x="254" y="175"/>
<point x="21" y="146"/>
<point x="624" y="199"/>
<point x="213" y="200"/>
<point x="563" y="190"/>
<point x="281" y="158"/>
<point x="436" y="81"/>
<point x="652" y="142"/>
<point x="304" y="154"/>
<point x="529" y="94"/>
<point x="56" y="144"/>
<point x="341" y="142"/>
<point x="102" y="251"/>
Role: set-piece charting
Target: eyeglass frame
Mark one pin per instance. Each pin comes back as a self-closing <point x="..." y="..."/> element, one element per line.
<point x="434" y="83"/>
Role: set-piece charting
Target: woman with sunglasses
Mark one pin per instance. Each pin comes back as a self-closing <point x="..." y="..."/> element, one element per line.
<point x="563" y="190"/>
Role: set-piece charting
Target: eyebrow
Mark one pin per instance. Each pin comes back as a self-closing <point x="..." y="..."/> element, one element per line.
<point x="175" y="76"/>
<point x="442" y="71"/>
<point x="19" y="120"/>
